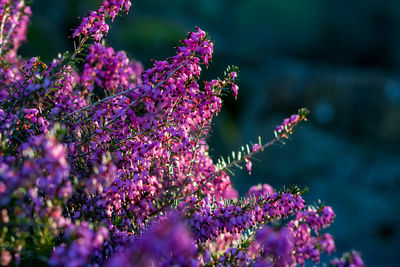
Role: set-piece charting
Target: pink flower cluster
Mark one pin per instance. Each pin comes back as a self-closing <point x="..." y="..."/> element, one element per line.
<point x="287" y="123"/>
<point x="94" y="25"/>
<point x="127" y="180"/>
<point x="14" y="18"/>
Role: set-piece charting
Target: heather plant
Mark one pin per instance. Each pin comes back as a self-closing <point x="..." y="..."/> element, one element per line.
<point x="105" y="163"/>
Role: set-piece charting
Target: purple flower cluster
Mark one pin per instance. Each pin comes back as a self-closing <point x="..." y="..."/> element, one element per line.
<point x="83" y="244"/>
<point x="128" y="180"/>
<point x="41" y="167"/>
<point x="167" y="243"/>
<point x="308" y="246"/>
<point x="276" y="247"/>
<point x="110" y="71"/>
<point x="215" y="218"/>
<point x="232" y="257"/>
<point x="46" y="164"/>
<point x="165" y="108"/>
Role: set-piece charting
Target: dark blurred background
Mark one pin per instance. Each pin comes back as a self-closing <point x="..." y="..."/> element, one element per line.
<point x="339" y="58"/>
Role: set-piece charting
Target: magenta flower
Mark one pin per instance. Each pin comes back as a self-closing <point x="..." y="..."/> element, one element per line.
<point x="235" y="90"/>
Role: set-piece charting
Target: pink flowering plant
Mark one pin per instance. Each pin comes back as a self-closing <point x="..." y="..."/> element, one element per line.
<point x="105" y="163"/>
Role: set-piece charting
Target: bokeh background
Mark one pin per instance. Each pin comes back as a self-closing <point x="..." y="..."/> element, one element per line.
<point x="339" y="58"/>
